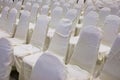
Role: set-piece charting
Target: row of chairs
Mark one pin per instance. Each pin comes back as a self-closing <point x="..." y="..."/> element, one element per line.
<point x="59" y="45"/>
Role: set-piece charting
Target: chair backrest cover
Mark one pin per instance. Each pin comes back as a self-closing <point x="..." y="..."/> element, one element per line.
<point x="86" y="51"/>
<point x="104" y="12"/>
<point x="110" y="29"/>
<point x="60" y="40"/>
<point x="48" y="67"/>
<point x="6" y="59"/>
<point x="40" y="31"/>
<point x="71" y="14"/>
<point x="44" y="10"/>
<point x="28" y="6"/>
<point x="34" y="11"/>
<point x="23" y="26"/>
<point x="91" y="18"/>
<point x="11" y="21"/>
<point x="111" y="69"/>
<point x="56" y="15"/>
<point x="4" y="17"/>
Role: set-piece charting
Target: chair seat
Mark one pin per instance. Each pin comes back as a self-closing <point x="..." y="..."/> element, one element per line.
<point x="16" y="42"/>
<point x="76" y="73"/>
<point x="24" y="50"/>
<point x="4" y="34"/>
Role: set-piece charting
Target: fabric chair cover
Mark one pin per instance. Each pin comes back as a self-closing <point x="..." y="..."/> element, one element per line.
<point x="85" y="54"/>
<point x="22" y="29"/>
<point x="28" y="6"/>
<point x="86" y="50"/>
<point x="104" y="12"/>
<point x="58" y="47"/>
<point x="66" y="7"/>
<point x="111" y="69"/>
<point x="44" y="10"/>
<point x="3" y="18"/>
<point x="71" y="14"/>
<point x="91" y="18"/>
<point x="6" y="59"/>
<point x="56" y="15"/>
<point x="36" y="44"/>
<point x="110" y="29"/>
<point x="11" y="21"/>
<point x="34" y="11"/>
<point x="42" y="71"/>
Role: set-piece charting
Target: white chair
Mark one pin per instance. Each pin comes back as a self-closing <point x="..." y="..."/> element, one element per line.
<point x="3" y="19"/>
<point x="56" y="71"/>
<point x="54" y="4"/>
<point x="56" y="15"/>
<point x="22" y="30"/>
<point x="36" y="44"/>
<point x="91" y="18"/>
<point x="66" y="7"/>
<point x="111" y="68"/>
<point x="6" y="59"/>
<point x="10" y="26"/>
<point x="71" y="14"/>
<point x="103" y="13"/>
<point x="110" y="29"/>
<point x="114" y="9"/>
<point x="83" y="60"/>
<point x="34" y="12"/>
<point x="28" y="6"/>
<point x="44" y="10"/>
<point x="58" y="47"/>
<point x="18" y="6"/>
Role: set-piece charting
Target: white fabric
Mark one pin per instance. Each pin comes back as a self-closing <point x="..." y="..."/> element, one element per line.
<point x="56" y="15"/>
<point x="45" y="10"/>
<point x="28" y="6"/>
<point x="86" y="50"/>
<point x="34" y="11"/>
<point x="11" y="21"/>
<point x="110" y="29"/>
<point x="6" y="59"/>
<point x="42" y="71"/>
<point x="66" y="7"/>
<point x="71" y="14"/>
<point x="9" y="28"/>
<point x="58" y="46"/>
<point x="23" y="26"/>
<point x="111" y="69"/>
<point x="102" y="15"/>
<point x="3" y="19"/>
<point x="36" y="44"/>
<point x="91" y="18"/>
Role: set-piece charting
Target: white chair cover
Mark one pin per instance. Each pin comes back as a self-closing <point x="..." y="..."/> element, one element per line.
<point x="40" y="32"/>
<point x="104" y="12"/>
<point x="58" y="47"/>
<point x="11" y="21"/>
<point x="6" y="59"/>
<point x="91" y="18"/>
<point x="110" y="29"/>
<point x="56" y="15"/>
<point x="36" y="44"/>
<point x="42" y="71"/>
<point x="28" y="6"/>
<point x="3" y="19"/>
<point x="34" y="11"/>
<point x="44" y="10"/>
<point x="86" y="51"/>
<point x="71" y="14"/>
<point x="111" y="69"/>
<point x="22" y="28"/>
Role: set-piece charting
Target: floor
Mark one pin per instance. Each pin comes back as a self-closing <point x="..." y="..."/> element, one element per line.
<point x="14" y="75"/>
